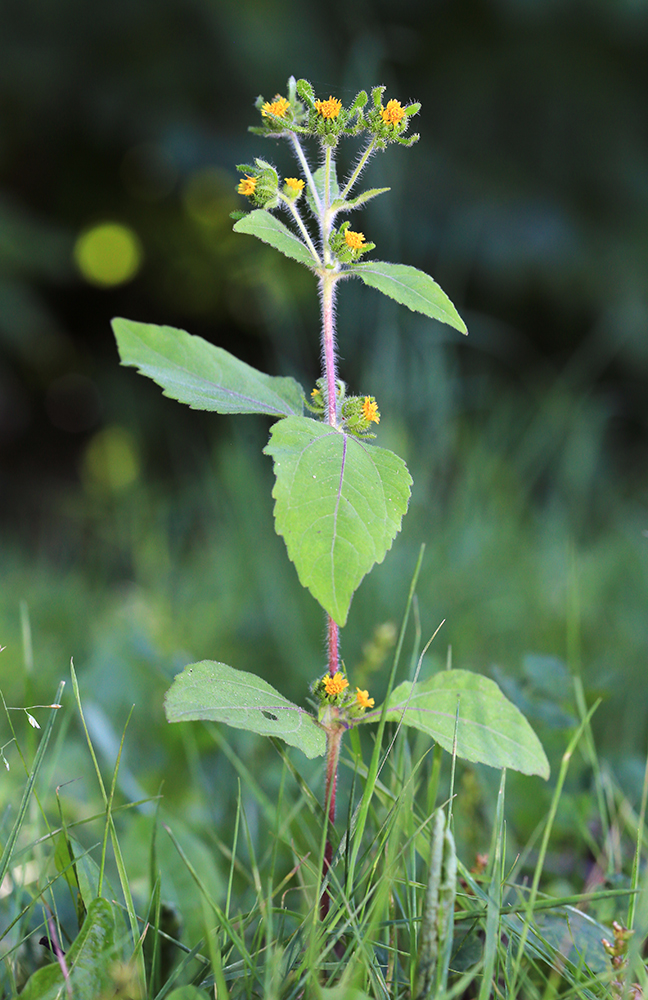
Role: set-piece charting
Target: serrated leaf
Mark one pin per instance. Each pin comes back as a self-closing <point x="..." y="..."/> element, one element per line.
<point x="206" y="377"/>
<point x="269" y="229"/>
<point x="319" y="178"/>
<point x="412" y="288"/>
<point x="213" y="691"/>
<point x="346" y="206"/>
<point x="491" y="730"/>
<point x="339" y="505"/>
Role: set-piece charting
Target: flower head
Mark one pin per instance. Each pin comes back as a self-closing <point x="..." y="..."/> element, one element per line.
<point x="330" y="108"/>
<point x="363" y="699"/>
<point x="393" y="113"/>
<point x="335" y="685"/>
<point x="370" y="410"/>
<point x="247" y="186"/>
<point x="277" y="107"/>
<point x="354" y="241"/>
<point x="295" y="184"/>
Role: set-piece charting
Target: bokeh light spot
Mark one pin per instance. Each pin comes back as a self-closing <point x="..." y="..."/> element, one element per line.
<point x="209" y="197"/>
<point x="111" y="462"/>
<point x="108" y="254"/>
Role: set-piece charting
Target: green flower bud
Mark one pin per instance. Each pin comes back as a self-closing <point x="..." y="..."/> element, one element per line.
<point x="348" y="246"/>
<point x="389" y="122"/>
<point x="260" y="184"/>
<point x="358" y="414"/>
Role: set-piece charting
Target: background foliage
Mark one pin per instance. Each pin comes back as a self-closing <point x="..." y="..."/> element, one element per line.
<point x="138" y="534"/>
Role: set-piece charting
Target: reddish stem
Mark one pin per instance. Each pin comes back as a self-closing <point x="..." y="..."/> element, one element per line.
<point x="333" y="740"/>
<point x="334" y="733"/>
<point x="333" y="641"/>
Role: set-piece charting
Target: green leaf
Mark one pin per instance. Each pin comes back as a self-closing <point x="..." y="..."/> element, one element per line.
<point x="213" y="691"/>
<point x="491" y="730"/>
<point x="339" y="506"/>
<point x="206" y="377"/>
<point x="89" y="960"/>
<point x="269" y="229"/>
<point x="346" y="206"/>
<point x="412" y="288"/>
<point x="188" y="993"/>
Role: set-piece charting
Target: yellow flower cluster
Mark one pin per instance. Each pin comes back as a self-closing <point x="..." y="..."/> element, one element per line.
<point x="335" y="685"/>
<point x="355" y="241"/>
<point x="330" y="108"/>
<point x="277" y="107"/>
<point x="363" y="699"/>
<point x="247" y="186"/>
<point x="295" y="183"/>
<point x="393" y="113"/>
<point x="370" y="410"/>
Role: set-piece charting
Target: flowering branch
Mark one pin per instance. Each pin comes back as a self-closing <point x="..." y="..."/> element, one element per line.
<point x="301" y="156"/>
<point x="327" y="120"/>
<point x="294" y="211"/>
<point x="362" y="162"/>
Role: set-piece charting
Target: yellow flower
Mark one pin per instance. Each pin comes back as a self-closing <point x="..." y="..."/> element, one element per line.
<point x="355" y="241"/>
<point x="393" y="113"/>
<point x="370" y="410"/>
<point x="363" y="699"/>
<point x="335" y="685"/>
<point x="295" y="183"/>
<point x="330" y="108"/>
<point x="277" y="107"/>
<point x="247" y="186"/>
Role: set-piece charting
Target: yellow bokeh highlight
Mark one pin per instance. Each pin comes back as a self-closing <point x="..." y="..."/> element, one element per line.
<point x="208" y="197"/>
<point x="110" y="462"/>
<point x="108" y="254"/>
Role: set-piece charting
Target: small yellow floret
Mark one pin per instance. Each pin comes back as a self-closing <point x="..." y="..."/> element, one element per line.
<point x="363" y="699"/>
<point x="393" y="113"/>
<point x="355" y="241"/>
<point x="277" y="107"/>
<point x="370" y="410"/>
<point x="247" y="186"/>
<point x="295" y="183"/>
<point x="335" y="685"/>
<point x="330" y="108"/>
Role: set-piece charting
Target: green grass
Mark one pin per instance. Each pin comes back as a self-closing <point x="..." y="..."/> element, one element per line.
<point x="233" y="904"/>
<point x="214" y="883"/>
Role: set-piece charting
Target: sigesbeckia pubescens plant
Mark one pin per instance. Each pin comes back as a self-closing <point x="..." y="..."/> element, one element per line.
<point x="339" y="498"/>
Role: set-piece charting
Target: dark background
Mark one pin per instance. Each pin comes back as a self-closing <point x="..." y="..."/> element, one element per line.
<point x="133" y="527"/>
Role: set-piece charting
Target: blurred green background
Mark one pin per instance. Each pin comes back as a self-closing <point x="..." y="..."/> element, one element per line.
<point x="137" y="535"/>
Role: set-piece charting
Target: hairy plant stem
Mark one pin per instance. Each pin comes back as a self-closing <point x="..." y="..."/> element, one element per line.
<point x="333" y="646"/>
<point x="294" y="211"/>
<point x="328" y="280"/>
<point x="333" y="740"/>
<point x="327" y="298"/>
<point x="362" y="162"/>
<point x="333" y="735"/>
<point x="301" y="156"/>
